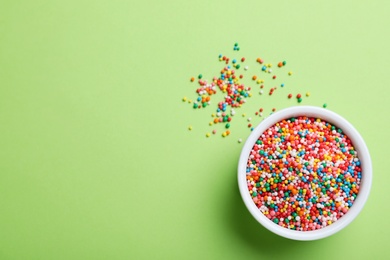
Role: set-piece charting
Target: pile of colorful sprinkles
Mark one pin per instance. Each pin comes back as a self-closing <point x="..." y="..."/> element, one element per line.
<point x="303" y="173"/>
<point x="229" y="81"/>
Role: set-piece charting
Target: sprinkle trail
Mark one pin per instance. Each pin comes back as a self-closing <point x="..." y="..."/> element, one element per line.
<point x="230" y="83"/>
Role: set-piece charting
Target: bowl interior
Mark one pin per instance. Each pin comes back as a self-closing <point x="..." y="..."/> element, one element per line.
<point x="357" y="142"/>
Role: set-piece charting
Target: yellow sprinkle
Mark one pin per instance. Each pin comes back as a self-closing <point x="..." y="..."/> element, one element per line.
<point x="208" y="135"/>
<point x="289" y="73"/>
<point x="211" y="123"/>
<point x="190" y="128"/>
<point x="307" y="94"/>
<point x="184" y="99"/>
<point x="243" y="115"/>
<point x="212" y="115"/>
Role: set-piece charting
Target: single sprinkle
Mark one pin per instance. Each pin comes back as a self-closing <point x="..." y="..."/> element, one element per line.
<point x="239" y="140"/>
<point x="324" y="105"/>
<point x="307" y="94"/>
<point x="190" y="128"/>
<point x="192" y="79"/>
<point x="184" y="99"/>
<point x="200" y="76"/>
<point x="208" y="135"/>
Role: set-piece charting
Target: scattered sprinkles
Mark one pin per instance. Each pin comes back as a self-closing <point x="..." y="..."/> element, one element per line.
<point x="235" y="92"/>
<point x="303" y="173"/>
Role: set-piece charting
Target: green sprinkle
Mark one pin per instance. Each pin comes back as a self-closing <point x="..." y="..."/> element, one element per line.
<point x="324" y="105"/>
<point x="200" y="76"/>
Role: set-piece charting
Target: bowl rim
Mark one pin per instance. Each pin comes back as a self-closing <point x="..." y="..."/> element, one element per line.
<point x="360" y="147"/>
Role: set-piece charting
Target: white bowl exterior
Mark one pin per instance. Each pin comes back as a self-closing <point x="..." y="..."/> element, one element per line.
<point x="362" y="152"/>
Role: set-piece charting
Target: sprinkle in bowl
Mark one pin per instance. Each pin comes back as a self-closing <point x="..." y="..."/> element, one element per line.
<point x="305" y="173"/>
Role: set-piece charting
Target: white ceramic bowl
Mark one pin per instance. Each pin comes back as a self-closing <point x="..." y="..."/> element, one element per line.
<point x="357" y="142"/>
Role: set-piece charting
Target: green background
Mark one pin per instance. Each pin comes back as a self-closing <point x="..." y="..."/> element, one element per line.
<point x="96" y="161"/>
